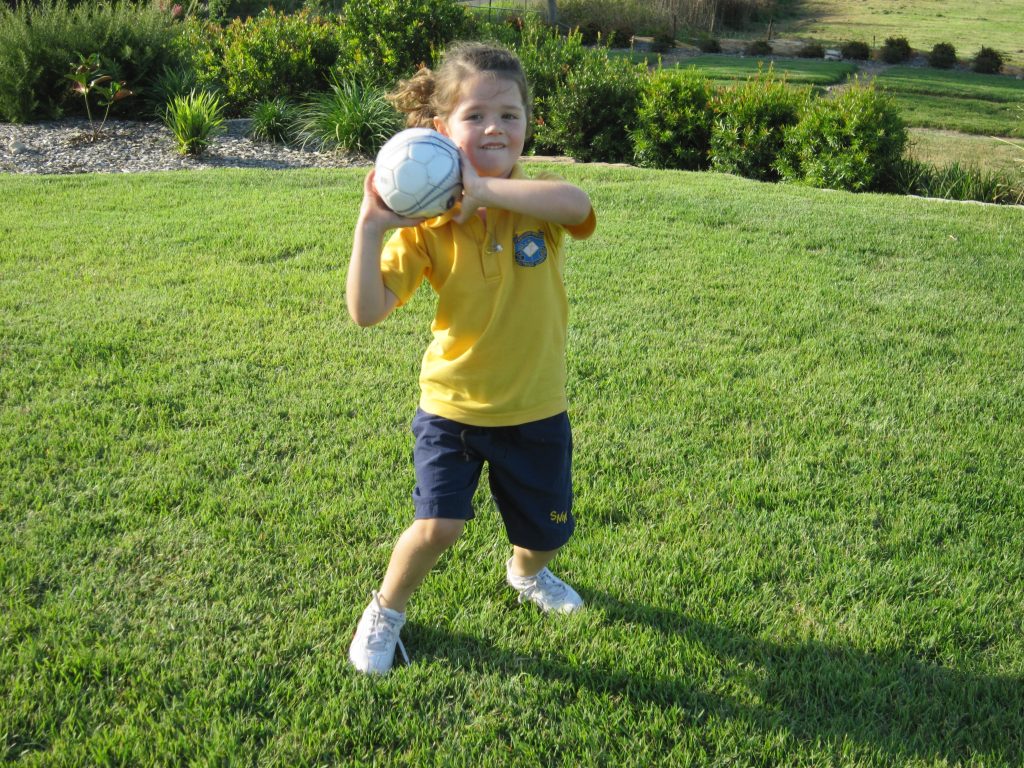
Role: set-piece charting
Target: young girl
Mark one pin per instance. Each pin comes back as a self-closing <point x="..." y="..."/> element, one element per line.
<point x="493" y="378"/>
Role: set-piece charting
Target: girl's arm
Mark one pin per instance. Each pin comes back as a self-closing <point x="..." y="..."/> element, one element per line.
<point x="558" y="202"/>
<point x="369" y="301"/>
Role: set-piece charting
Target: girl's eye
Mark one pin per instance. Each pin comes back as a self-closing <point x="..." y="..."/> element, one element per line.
<point x="511" y="116"/>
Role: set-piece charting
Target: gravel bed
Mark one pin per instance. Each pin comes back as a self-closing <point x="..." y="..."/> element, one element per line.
<point x="130" y="147"/>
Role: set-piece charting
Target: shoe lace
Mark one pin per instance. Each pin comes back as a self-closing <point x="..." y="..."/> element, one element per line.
<point x="383" y="633"/>
<point x="544" y="583"/>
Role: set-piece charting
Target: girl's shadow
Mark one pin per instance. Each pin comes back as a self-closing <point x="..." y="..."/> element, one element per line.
<point x="900" y="706"/>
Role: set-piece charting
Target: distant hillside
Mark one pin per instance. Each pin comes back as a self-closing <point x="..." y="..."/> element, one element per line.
<point x="966" y="24"/>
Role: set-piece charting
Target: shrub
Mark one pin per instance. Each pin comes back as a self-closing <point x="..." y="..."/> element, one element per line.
<point x="548" y="59"/>
<point x="748" y="132"/>
<point x="591" y="115"/>
<point x="384" y="40"/>
<point x="759" y="48"/>
<point x="854" y="141"/>
<point x="709" y="45"/>
<point x="273" y="121"/>
<point x="172" y="81"/>
<point x="260" y="59"/>
<point x="673" y="121"/>
<point x="39" y="41"/>
<point x="194" y="120"/>
<point x="855" y="50"/>
<point x="942" y="56"/>
<point x="351" y="116"/>
<point x="987" y="61"/>
<point x="895" y="50"/>
<point x="811" y="51"/>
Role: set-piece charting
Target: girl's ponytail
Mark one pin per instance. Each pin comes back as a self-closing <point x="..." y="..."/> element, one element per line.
<point x="414" y="97"/>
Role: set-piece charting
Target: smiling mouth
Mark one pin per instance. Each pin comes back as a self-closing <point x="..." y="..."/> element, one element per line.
<point x="493" y="146"/>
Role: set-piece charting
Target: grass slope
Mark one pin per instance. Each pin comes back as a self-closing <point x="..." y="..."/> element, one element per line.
<point x="967" y="25"/>
<point x="959" y="101"/>
<point x="728" y="69"/>
<point x="799" y="419"/>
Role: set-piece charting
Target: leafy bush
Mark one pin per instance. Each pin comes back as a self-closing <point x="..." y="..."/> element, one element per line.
<point x="194" y="120"/>
<point x="172" y="81"/>
<point x="895" y="50"/>
<point x="811" y="51"/>
<point x="856" y="50"/>
<point x="384" y="40"/>
<point x="260" y="59"/>
<point x="673" y="120"/>
<point x="38" y="42"/>
<point x="547" y="60"/>
<point x="709" y="45"/>
<point x="942" y="56"/>
<point x="350" y="116"/>
<point x="590" y="116"/>
<point x="748" y="133"/>
<point x="854" y="141"/>
<point x="987" y="61"/>
<point x="759" y="48"/>
<point x="273" y="121"/>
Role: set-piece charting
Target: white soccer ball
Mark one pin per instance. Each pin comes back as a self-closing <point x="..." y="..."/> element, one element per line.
<point x="419" y="173"/>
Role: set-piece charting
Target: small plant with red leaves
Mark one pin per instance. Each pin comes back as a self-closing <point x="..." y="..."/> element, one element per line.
<point x="88" y="79"/>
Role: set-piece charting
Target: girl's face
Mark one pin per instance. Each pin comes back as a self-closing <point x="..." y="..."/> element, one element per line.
<point x="488" y="123"/>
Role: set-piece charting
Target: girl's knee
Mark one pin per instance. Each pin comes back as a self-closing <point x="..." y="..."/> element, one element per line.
<point x="438" y="532"/>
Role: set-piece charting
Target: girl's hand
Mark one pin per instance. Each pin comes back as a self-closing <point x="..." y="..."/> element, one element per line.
<point x="470" y="181"/>
<point x="373" y="211"/>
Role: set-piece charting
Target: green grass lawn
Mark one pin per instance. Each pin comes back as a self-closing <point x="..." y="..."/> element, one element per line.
<point x="959" y="101"/>
<point x="727" y="70"/>
<point x="799" y="422"/>
<point x="967" y="25"/>
<point x="942" y="148"/>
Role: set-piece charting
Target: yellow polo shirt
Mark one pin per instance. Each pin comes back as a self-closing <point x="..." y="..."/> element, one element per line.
<point x="498" y="353"/>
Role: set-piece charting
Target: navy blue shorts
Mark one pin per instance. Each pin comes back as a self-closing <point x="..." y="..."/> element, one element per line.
<point x="529" y="469"/>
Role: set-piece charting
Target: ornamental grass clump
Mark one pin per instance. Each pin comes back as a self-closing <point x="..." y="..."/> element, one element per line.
<point x="351" y="116"/>
<point x="273" y="121"/>
<point x="195" y="119"/>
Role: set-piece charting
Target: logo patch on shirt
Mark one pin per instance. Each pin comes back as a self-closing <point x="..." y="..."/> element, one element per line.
<point x="530" y="249"/>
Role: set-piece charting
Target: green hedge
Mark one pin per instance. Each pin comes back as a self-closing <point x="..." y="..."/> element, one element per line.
<point x="39" y="41"/>
<point x="259" y="59"/>
<point x="854" y="142"/>
<point x="751" y="121"/>
<point x="673" y="121"/>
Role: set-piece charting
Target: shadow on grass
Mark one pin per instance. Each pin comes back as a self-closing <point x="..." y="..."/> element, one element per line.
<point x="894" y="704"/>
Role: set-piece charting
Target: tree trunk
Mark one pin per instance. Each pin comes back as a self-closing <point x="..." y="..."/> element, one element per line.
<point x="552" y="11"/>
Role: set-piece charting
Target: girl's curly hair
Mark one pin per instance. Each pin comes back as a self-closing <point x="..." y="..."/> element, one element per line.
<point x="429" y="94"/>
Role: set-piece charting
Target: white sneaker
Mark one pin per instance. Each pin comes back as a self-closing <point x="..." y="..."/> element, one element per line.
<point x="545" y="589"/>
<point x="373" y="644"/>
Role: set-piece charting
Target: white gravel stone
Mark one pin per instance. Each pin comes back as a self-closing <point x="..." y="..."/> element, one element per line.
<point x="128" y="147"/>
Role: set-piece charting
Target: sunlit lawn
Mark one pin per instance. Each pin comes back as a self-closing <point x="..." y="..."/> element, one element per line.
<point x="799" y="422"/>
